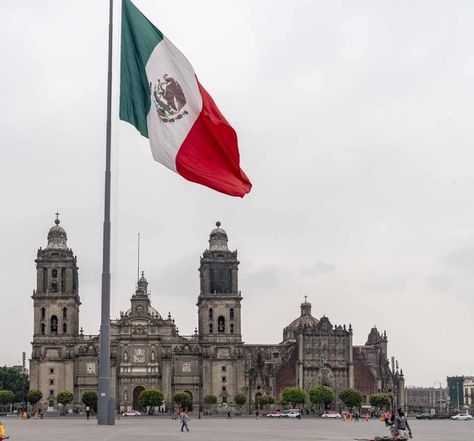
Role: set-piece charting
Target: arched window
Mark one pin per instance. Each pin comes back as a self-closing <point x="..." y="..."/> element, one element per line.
<point x="43" y="328"/>
<point x="64" y="328"/>
<point x="232" y="313"/>
<point x="210" y="328"/>
<point x="231" y="328"/>
<point x="63" y="279"/>
<point x="54" y="325"/>
<point x="221" y="324"/>
<point x="43" y="313"/>
<point x="64" y="313"/>
<point x="75" y="281"/>
<point x="45" y="279"/>
<point x="54" y="273"/>
<point x="211" y="315"/>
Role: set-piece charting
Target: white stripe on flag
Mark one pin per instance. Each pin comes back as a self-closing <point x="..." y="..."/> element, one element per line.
<point x="167" y="137"/>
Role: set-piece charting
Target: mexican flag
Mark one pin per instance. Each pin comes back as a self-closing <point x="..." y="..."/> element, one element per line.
<point x="161" y="96"/>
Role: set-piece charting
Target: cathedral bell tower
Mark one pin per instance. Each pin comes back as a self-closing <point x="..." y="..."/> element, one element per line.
<point x="56" y="297"/>
<point x="219" y="299"/>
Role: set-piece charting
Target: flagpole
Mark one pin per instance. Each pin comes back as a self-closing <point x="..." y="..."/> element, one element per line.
<point x="106" y="405"/>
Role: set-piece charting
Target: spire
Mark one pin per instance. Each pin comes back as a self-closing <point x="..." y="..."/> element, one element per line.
<point x="306" y="307"/>
<point x="142" y="286"/>
<point x="374" y="337"/>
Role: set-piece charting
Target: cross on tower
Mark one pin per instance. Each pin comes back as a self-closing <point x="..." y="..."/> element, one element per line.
<point x="57" y="218"/>
<point x="306" y="298"/>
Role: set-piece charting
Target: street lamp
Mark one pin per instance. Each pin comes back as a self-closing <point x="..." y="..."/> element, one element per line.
<point x="250" y="371"/>
<point x="440" y="400"/>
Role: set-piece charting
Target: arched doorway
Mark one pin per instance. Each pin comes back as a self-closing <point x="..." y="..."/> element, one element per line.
<point x="257" y="398"/>
<point x="190" y="407"/>
<point x="136" y="395"/>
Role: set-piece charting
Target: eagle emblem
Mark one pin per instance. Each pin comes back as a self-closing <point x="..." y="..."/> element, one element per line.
<point x="168" y="98"/>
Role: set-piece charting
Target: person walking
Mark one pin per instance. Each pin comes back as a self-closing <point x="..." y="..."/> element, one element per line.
<point x="184" y="421"/>
<point x="88" y="412"/>
<point x="229" y="416"/>
<point x="401" y="428"/>
<point x="257" y="413"/>
<point x="2" y="432"/>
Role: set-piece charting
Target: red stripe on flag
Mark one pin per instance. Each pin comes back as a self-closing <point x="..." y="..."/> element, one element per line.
<point x="210" y="155"/>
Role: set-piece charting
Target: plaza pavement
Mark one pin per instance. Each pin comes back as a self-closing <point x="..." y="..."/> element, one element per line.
<point x="236" y="429"/>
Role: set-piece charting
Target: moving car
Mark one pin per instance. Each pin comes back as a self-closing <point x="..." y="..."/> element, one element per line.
<point x="336" y="415"/>
<point x="131" y="413"/>
<point x="274" y="414"/>
<point x="462" y="416"/>
<point x="290" y="413"/>
<point x="424" y="416"/>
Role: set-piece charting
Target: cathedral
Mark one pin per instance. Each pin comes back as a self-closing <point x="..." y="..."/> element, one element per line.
<point x="147" y="350"/>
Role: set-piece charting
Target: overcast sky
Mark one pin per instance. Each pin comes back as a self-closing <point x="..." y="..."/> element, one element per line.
<point x="355" y="123"/>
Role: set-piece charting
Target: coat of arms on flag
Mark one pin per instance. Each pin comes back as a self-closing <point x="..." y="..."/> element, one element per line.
<point x="168" y="98"/>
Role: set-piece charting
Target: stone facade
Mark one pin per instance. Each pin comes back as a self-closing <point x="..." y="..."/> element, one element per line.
<point x="426" y="399"/>
<point x="147" y="350"/>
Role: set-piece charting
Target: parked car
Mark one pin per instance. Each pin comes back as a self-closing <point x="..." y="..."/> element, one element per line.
<point x="442" y="416"/>
<point x="424" y="416"/>
<point x="290" y="413"/>
<point x="336" y="415"/>
<point x="274" y="415"/>
<point x="131" y="413"/>
<point x="462" y="416"/>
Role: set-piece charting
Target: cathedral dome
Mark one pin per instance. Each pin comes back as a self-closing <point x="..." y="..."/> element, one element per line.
<point x="57" y="237"/>
<point x="305" y="319"/>
<point x="218" y="239"/>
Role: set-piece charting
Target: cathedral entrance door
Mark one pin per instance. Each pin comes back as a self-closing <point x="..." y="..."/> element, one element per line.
<point x="190" y="407"/>
<point x="136" y="395"/>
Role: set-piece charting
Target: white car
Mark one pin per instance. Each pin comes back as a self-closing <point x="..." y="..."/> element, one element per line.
<point x="462" y="416"/>
<point x="274" y="415"/>
<point x="290" y="413"/>
<point x="331" y="415"/>
<point x="131" y="413"/>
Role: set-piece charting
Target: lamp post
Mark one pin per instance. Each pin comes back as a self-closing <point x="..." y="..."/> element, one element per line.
<point x="440" y="399"/>
<point x="250" y="371"/>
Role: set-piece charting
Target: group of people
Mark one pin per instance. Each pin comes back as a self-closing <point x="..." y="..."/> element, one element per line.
<point x="352" y="416"/>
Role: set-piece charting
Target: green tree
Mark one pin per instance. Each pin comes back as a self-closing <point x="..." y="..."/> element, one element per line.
<point x="183" y="399"/>
<point x="380" y="401"/>
<point x="265" y="401"/>
<point x="33" y="396"/>
<point x="351" y="397"/>
<point x="6" y="397"/>
<point x="65" y="397"/>
<point x="322" y="396"/>
<point x="151" y="398"/>
<point x="293" y="395"/>
<point x="12" y="380"/>
<point x="89" y="398"/>
<point x="240" y="399"/>
<point x="210" y="400"/>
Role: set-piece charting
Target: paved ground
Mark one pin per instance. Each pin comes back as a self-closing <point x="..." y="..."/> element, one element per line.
<point x="244" y="429"/>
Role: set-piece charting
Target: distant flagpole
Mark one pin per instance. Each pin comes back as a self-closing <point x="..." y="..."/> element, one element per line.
<point x="106" y="405"/>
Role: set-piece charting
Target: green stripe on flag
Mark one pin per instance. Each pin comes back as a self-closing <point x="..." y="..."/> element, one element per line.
<point x="139" y="38"/>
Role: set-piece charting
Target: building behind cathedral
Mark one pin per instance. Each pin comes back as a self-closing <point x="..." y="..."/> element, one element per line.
<point x="147" y="350"/>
